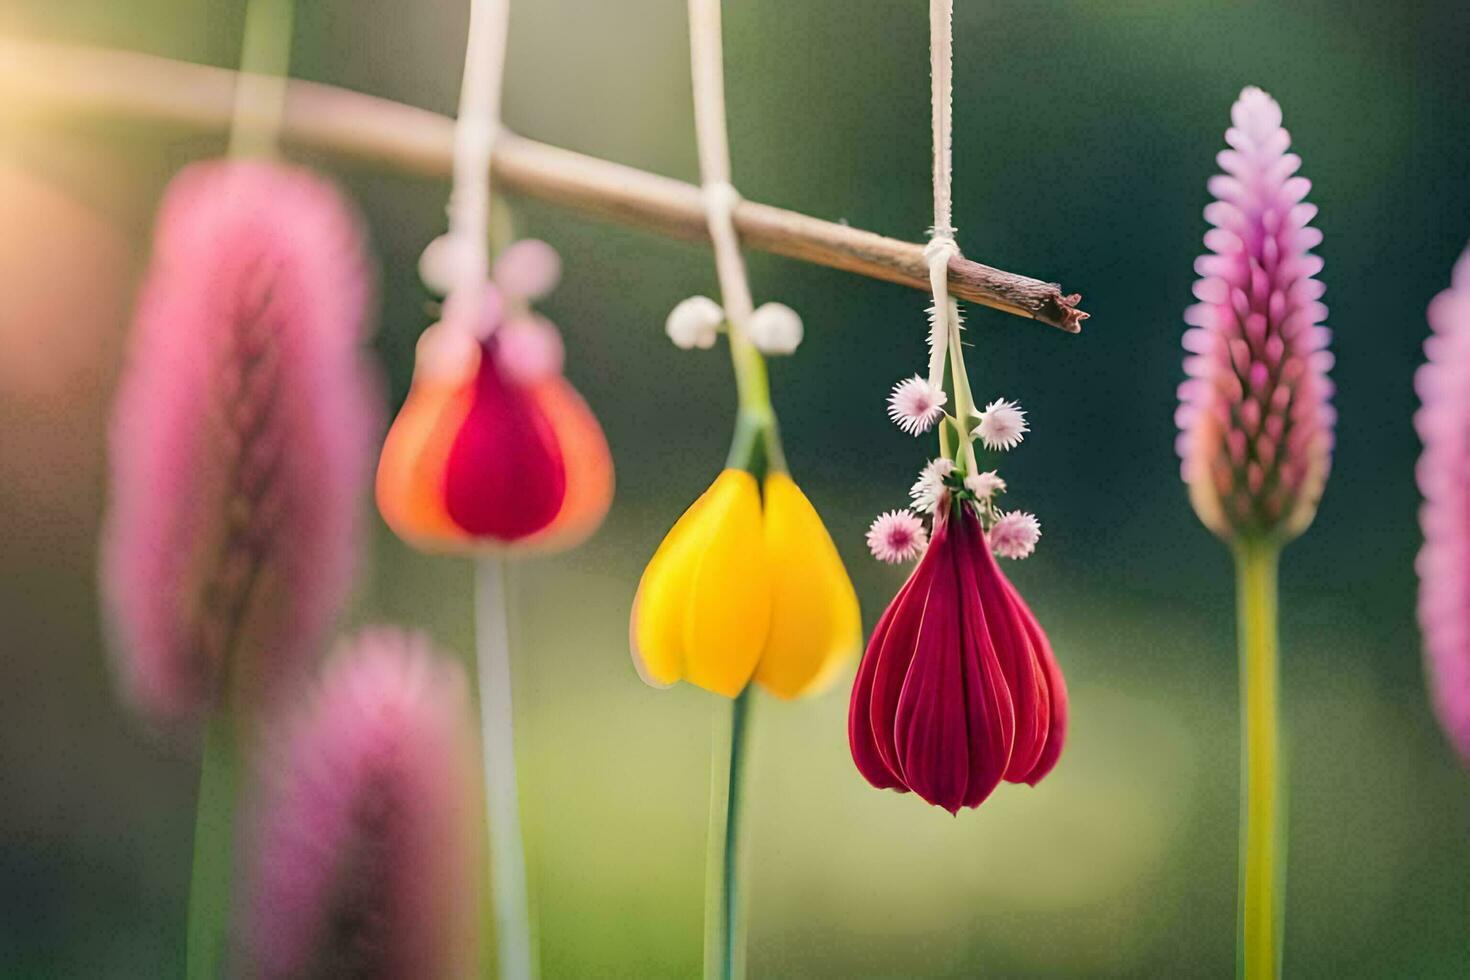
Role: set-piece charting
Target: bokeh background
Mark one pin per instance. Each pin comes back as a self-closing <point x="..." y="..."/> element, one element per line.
<point x="1085" y="134"/>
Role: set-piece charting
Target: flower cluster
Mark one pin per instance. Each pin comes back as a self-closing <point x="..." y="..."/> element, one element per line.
<point x="958" y="689"/>
<point x="1443" y="423"/>
<point x="899" y="536"/>
<point x="1255" y="415"/>
<point x="493" y="449"/>
<point x="363" y="854"/>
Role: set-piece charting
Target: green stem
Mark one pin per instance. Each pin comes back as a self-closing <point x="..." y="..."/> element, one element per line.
<point x="260" y="89"/>
<point x="1262" y="851"/>
<point x="724" y="899"/>
<point x="214" y="837"/>
<point x="757" y="443"/>
<point x="510" y="895"/>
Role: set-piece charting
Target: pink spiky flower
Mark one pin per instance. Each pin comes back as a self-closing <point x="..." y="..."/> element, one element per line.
<point x="915" y="404"/>
<point x="362" y="855"/>
<point x="1443" y="423"/>
<point x="1255" y="418"/>
<point x="897" y="536"/>
<point x="241" y="437"/>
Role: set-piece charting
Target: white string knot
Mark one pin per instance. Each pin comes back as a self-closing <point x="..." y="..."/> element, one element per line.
<point x="721" y="199"/>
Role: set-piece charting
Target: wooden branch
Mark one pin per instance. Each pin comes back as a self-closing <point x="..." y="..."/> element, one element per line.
<point x="44" y="79"/>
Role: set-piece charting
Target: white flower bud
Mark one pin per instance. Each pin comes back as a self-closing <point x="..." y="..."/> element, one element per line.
<point x="446" y="263"/>
<point x="695" y="322"/>
<point x="775" y="328"/>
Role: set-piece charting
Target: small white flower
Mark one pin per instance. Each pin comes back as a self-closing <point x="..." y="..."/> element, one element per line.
<point x="446" y="262"/>
<point x="915" y="405"/>
<point x="1002" y="424"/>
<point x="527" y="269"/>
<point x="897" y="536"/>
<point x="695" y="322"/>
<point x="929" y="487"/>
<point x="985" y="485"/>
<point x="775" y="328"/>
<point x="1014" y="534"/>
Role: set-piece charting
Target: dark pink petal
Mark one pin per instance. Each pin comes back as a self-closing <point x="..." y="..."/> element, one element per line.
<point x="1011" y="646"/>
<point x="931" y="734"/>
<point x="990" y="704"/>
<point x="860" y="736"/>
<point x="505" y="477"/>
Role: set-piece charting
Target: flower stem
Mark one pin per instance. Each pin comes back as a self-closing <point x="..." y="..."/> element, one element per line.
<point x="211" y="882"/>
<point x="260" y="88"/>
<point x="508" y="891"/>
<point x="1262" y="850"/>
<point x="724" y="899"/>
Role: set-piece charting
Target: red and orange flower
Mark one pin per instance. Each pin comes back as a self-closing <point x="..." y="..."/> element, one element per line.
<point x="493" y="450"/>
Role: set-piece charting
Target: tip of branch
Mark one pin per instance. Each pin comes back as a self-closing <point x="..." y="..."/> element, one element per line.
<point x="1061" y="311"/>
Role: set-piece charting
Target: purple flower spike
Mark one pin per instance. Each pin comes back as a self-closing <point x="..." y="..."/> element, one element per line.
<point x="362" y="855"/>
<point x="1443" y="424"/>
<point x="1255" y="414"/>
<point x="242" y="438"/>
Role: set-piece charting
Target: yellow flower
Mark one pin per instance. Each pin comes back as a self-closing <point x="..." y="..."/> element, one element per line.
<point x="743" y="587"/>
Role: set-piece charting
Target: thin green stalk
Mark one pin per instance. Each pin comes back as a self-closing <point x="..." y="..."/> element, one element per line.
<point x="260" y="90"/>
<point x="214" y="852"/>
<point x="724" y="898"/>
<point x="1262" y="848"/>
<point x="510" y="899"/>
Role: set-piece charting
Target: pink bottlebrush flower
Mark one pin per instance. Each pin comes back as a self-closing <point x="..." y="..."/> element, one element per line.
<point x="915" y="405"/>
<point x="1014" y="534"/>
<point x="1443" y="423"/>
<point x="362" y="853"/>
<point x="242" y="436"/>
<point x="897" y="536"/>
<point x="1255" y="419"/>
<point x="958" y="688"/>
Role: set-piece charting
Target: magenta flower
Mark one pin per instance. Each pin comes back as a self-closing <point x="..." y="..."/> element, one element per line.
<point x="361" y="857"/>
<point x="241" y="438"/>
<point x="1255" y="419"/>
<point x="1443" y="423"/>
<point x="958" y="688"/>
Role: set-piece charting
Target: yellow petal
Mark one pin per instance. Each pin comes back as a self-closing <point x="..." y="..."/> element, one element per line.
<point x="816" y="628"/>
<point x="656" y="632"/>
<point x="729" y="598"/>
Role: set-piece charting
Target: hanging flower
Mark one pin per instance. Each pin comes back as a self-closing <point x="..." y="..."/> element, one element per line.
<point x="493" y="449"/>
<point x="958" y="689"/>
<point x="1255" y="419"/>
<point x="362" y="857"/>
<point x="1443" y="423"/>
<point x="746" y="586"/>
<point x="241" y="435"/>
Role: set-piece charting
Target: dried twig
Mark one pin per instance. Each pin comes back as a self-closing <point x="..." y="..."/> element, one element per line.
<point x="39" y="78"/>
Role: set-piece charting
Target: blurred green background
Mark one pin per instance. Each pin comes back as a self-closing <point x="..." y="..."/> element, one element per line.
<point x="1085" y="134"/>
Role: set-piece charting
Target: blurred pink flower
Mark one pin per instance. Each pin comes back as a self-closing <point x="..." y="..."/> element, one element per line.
<point x="242" y="436"/>
<point x="362" y="852"/>
<point x="1443" y="423"/>
<point x="1255" y="419"/>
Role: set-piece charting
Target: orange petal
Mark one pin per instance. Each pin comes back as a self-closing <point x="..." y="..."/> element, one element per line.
<point x="410" y="483"/>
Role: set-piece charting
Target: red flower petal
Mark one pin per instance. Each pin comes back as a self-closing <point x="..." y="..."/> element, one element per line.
<point x="505" y="477"/>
